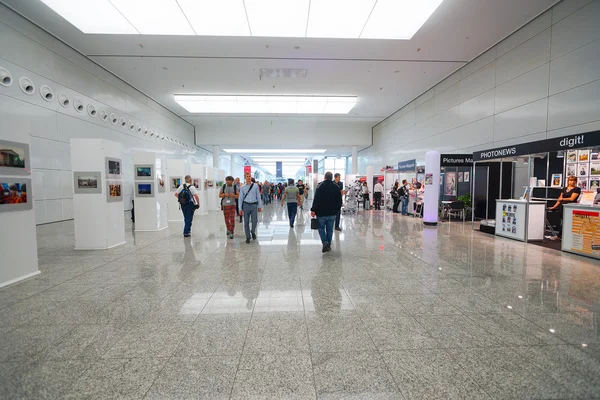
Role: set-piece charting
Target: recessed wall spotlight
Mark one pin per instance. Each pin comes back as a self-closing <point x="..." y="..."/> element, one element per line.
<point x="5" y="77"/>
<point x="91" y="111"/>
<point x="26" y="85"/>
<point x="151" y="133"/>
<point x="145" y="131"/>
<point x="46" y="93"/>
<point x="103" y="114"/>
<point x="63" y="100"/>
<point x="138" y="128"/>
<point x="78" y="105"/>
<point x="131" y="126"/>
<point x="122" y="122"/>
<point x="113" y="118"/>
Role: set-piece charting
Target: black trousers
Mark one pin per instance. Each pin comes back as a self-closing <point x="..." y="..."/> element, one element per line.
<point x="365" y="200"/>
<point x="396" y="204"/>
<point x="377" y="200"/>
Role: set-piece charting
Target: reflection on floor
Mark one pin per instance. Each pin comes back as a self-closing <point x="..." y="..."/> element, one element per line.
<point x="396" y="310"/>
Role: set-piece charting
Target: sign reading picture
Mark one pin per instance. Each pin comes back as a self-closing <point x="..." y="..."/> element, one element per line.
<point x="143" y="172"/>
<point x="14" y="158"/>
<point x="13" y="194"/>
<point x="113" y="168"/>
<point x="144" y="189"/>
<point x="114" y="191"/>
<point x="86" y="182"/>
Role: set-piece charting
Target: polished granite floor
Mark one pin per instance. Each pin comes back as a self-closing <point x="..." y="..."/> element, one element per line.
<point x="394" y="311"/>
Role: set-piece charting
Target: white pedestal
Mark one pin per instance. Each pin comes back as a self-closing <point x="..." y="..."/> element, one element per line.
<point x="175" y="169"/>
<point x="151" y="212"/>
<point x="506" y="216"/>
<point x="198" y="171"/>
<point x="581" y="230"/>
<point x="99" y="224"/>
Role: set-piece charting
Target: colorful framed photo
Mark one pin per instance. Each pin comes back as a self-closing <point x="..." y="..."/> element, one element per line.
<point x="467" y="173"/>
<point x="571" y="156"/>
<point x="175" y="182"/>
<point x="143" y="172"/>
<point x="87" y="182"/>
<point x="161" y="185"/>
<point x="583" y="169"/>
<point x="114" y="191"/>
<point x="14" y="158"/>
<point x="14" y="195"/>
<point x="113" y="168"/>
<point x="583" y="183"/>
<point x="583" y="155"/>
<point x="595" y="168"/>
<point x="144" y="189"/>
<point x="460" y="177"/>
<point x="594" y="184"/>
<point x="556" y="181"/>
<point x="196" y="183"/>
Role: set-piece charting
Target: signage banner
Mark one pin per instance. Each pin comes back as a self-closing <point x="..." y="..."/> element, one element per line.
<point x="407" y="166"/>
<point x="456" y="160"/>
<point x="543" y="146"/>
<point x="279" y="169"/>
<point x="247" y="169"/>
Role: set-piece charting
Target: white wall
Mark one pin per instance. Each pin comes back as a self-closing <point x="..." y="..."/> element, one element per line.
<point x="541" y="82"/>
<point x="286" y="131"/>
<point x="26" y="50"/>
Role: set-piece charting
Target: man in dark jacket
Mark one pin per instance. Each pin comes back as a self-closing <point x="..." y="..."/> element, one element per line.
<point x="326" y="204"/>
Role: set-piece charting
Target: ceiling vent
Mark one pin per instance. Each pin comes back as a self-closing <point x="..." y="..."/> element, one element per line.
<point x="282" y="73"/>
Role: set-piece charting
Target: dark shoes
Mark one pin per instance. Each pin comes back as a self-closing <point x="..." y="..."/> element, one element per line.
<point x="186" y="235"/>
<point x="254" y="236"/>
<point x="338" y="229"/>
<point x="326" y="247"/>
<point x="291" y="225"/>
<point x="247" y="240"/>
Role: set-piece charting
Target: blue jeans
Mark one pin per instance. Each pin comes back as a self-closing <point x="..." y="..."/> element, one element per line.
<point x="292" y="211"/>
<point x="250" y="212"/>
<point x="326" y="228"/>
<point x="188" y="216"/>
<point x="405" y="205"/>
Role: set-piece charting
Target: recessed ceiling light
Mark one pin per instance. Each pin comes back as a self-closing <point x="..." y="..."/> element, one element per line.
<point x="282" y="151"/>
<point x="216" y="18"/>
<point x="398" y="19"/>
<point x="154" y="17"/>
<point x="324" y="20"/>
<point x="231" y="104"/>
<point x="277" y="18"/>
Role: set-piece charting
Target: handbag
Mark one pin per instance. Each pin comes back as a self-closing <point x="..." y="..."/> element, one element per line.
<point x="314" y="223"/>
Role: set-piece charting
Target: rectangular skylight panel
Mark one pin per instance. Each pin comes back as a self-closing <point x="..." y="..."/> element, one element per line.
<point x="154" y="17"/>
<point x="398" y="19"/>
<point x="338" y="18"/>
<point x="277" y="18"/>
<point x="92" y="16"/>
<point x="279" y="151"/>
<point x="216" y="17"/>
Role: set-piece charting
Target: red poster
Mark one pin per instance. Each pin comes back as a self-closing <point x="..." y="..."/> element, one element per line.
<point x="247" y="169"/>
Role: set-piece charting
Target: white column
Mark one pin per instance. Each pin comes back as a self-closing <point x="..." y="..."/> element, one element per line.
<point x="354" y="160"/>
<point x="232" y="165"/>
<point x="432" y="187"/>
<point x="370" y="173"/>
<point x="216" y="152"/>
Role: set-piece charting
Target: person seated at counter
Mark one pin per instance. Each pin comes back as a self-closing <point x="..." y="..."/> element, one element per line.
<point x="570" y="194"/>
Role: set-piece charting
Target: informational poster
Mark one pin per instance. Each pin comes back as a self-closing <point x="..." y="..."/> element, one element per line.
<point x="450" y="185"/>
<point x="585" y="229"/>
<point x="428" y="179"/>
<point x="509" y="219"/>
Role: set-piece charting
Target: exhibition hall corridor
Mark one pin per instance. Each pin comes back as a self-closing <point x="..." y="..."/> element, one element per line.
<point x="396" y="310"/>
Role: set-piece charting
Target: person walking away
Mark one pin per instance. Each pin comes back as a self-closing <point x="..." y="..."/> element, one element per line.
<point x="301" y="189"/>
<point x="250" y="206"/>
<point x="364" y="190"/>
<point x="405" y="193"/>
<point x="377" y="193"/>
<point x="265" y="193"/>
<point x="327" y="203"/>
<point x="340" y="185"/>
<point x="396" y="197"/>
<point x="229" y="195"/>
<point x="292" y="194"/>
<point x="187" y="195"/>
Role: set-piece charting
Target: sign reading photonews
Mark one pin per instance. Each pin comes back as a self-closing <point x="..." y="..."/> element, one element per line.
<point x="578" y="141"/>
<point x="406" y="166"/>
<point x="456" y="160"/>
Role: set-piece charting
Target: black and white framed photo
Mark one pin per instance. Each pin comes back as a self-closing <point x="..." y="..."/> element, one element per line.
<point x="15" y="195"/>
<point x="144" y="189"/>
<point x="86" y="182"/>
<point x="14" y="158"/>
<point x="114" y="191"/>
<point x="113" y="168"/>
<point x="143" y="172"/>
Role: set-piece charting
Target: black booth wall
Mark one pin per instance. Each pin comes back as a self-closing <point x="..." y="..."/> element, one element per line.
<point x="490" y="185"/>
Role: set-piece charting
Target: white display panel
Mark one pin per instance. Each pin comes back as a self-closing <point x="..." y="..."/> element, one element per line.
<point x="510" y="219"/>
<point x="199" y="171"/>
<point x="151" y="210"/>
<point x="176" y="169"/>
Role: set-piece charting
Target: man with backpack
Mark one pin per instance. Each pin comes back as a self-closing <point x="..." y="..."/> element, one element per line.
<point x="250" y="206"/>
<point x="229" y="195"/>
<point x="187" y="195"/>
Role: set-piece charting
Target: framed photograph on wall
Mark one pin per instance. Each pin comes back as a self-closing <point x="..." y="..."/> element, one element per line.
<point x="583" y="155"/>
<point x="594" y="184"/>
<point x="144" y="189"/>
<point x="14" y="158"/>
<point x="583" y="169"/>
<point x="87" y="182"/>
<point x="583" y="183"/>
<point x="113" y="168"/>
<point x="161" y="185"/>
<point x="175" y="182"/>
<point x="467" y="176"/>
<point x="196" y="183"/>
<point x="143" y="172"/>
<point x="450" y="184"/>
<point x="460" y="177"/>
<point x="114" y="191"/>
<point x="556" y="181"/>
<point x="571" y="156"/>
<point x="14" y="195"/>
<point x="595" y="168"/>
<point x="571" y="169"/>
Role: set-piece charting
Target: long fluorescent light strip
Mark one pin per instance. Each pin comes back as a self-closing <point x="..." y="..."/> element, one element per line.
<point x="230" y="104"/>
<point x="281" y="151"/>
<point x="352" y="19"/>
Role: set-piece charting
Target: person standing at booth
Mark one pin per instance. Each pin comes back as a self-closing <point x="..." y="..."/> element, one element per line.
<point x="377" y="194"/>
<point x="570" y="194"/>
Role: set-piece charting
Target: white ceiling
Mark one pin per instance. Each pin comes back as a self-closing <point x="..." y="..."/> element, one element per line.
<point x="384" y="74"/>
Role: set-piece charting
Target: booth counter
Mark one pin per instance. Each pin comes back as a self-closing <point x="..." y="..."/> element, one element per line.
<point x="511" y="217"/>
<point x="581" y="230"/>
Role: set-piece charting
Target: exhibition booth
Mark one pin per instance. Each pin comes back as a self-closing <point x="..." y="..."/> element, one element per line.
<point x="415" y="175"/>
<point x="538" y="172"/>
<point x="150" y="191"/>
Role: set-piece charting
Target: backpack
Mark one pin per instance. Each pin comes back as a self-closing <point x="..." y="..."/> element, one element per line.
<point x="223" y="191"/>
<point x="185" y="196"/>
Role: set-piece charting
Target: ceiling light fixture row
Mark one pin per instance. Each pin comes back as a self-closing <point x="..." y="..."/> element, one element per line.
<point x="27" y="86"/>
<point x="362" y="19"/>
